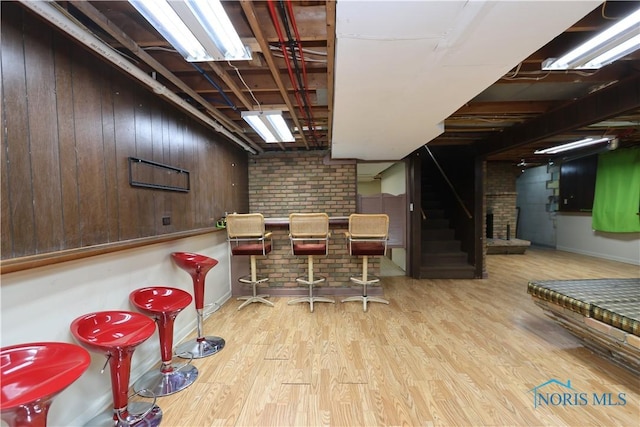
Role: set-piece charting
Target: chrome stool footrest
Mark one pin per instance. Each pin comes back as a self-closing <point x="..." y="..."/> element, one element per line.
<point x="311" y="299"/>
<point x="168" y="379"/>
<point x="197" y="349"/>
<point x="253" y="298"/>
<point x="135" y="414"/>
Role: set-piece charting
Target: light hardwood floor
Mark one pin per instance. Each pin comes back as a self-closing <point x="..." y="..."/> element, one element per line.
<point x="444" y="352"/>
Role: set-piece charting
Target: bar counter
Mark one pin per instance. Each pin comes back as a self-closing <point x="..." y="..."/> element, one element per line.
<point x="283" y="268"/>
<point x="280" y="222"/>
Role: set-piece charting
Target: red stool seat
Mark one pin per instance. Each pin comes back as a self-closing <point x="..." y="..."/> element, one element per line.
<point x="198" y="266"/>
<point x="194" y="263"/>
<point x="368" y="248"/>
<point x="305" y="249"/>
<point x="164" y="304"/>
<point x="116" y="334"/>
<point x="31" y="375"/>
<point x="251" y="249"/>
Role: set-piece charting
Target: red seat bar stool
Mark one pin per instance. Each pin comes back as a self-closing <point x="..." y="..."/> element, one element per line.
<point x="163" y="305"/>
<point x="116" y="334"/>
<point x="198" y="266"/>
<point x="33" y="374"/>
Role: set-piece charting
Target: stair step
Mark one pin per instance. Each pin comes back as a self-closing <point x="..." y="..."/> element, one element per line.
<point x="438" y="234"/>
<point x="432" y="246"/>
<point x="436" y="223"/>
<point x="447" y="272"/>
<point x="430" y="195"/>
<point x="431" y="204"/>
<point x="434" y="213"/>
<point x="444" y="258"/>
<point x="452" y="259"/>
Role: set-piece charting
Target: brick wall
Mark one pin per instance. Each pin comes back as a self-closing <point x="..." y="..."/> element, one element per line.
<point x="281" y="183"/>
<point x="500" y="197"/>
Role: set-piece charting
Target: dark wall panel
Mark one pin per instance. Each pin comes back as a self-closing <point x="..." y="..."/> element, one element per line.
<point x="177" y="203"/>
<point x="90" y="152"/>
<point x="17" y="143"/>
<point x="43" y="138"/>
<point x="72" y="121"/>
<point x="144" y="150"/>
<point x="110" y="157"/>
<point x="158" y="125"/>
<point x="67" y="143"/>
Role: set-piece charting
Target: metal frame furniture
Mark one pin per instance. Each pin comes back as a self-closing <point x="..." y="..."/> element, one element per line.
<point x="198" y="266"/>
<point x="246" y="235"/>
<point x="309" y="236"/>
<point x="367" y="236"/>
<point x="32" y="375"/>
<point x="163" y="305"/>
<point x="116" y="334"/>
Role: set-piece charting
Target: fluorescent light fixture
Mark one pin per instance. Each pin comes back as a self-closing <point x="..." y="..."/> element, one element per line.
<point x="270" y="125"/>
<point x="573" y="145"/>
<point x="199" y="29"/>
<point x="306" y="128"/>
<point x="613" y="43"/>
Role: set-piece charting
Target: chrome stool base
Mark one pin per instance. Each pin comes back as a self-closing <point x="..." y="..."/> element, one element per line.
<point x="311" y="299"/>
<point x="166" y="383"/>
<point x="199" y="349"/>
<point x="365" y="298"/>
<point x="253" y="298"/>
<point x="256" y="298"/>
<point x="151" y="419"/>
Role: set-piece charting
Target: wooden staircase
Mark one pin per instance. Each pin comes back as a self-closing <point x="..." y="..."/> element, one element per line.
<point x="441" y="257"/>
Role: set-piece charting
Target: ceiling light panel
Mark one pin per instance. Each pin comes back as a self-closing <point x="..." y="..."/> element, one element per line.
<point x="270" y="125"/>
<point x="573" y="145"/>
<point x="611" y="44"/>
<point x="199" y="30"/>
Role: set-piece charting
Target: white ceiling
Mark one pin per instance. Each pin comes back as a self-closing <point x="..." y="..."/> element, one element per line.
<point x="402" y="67"/>
<point x="369" y="171"/>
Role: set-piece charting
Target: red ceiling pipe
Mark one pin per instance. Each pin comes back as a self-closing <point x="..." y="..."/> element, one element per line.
<point x="292" y="18"/>
<point x="276" y="24"/>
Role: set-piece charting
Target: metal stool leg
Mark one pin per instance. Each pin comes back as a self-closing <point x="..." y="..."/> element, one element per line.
<point x="310" y="282"/>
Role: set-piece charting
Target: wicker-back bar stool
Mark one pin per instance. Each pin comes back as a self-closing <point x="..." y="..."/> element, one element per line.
<point x="309" y="236"/>
<point x="246" y="235"/>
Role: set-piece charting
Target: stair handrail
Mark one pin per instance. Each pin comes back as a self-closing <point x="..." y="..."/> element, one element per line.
<point x="444" y="175"/>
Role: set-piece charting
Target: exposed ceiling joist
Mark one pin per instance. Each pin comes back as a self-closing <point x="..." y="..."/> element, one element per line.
<point x="250" y="13"/>
<point x="476" y="72"/>
<point x="604" y="104"/>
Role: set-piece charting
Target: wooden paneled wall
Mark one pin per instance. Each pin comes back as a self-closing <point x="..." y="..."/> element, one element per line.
<point x="70" y="123"/>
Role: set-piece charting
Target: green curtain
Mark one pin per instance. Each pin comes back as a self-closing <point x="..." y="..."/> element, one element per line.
<point x="616" y="201"/>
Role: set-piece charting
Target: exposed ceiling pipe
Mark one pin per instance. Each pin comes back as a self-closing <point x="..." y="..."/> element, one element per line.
<point x="62" y="22"/>
<point x="285" y="52"/>
<point x="292" y="19"/>
<point x="302" y="88"/>
<point x="250" y="13"/>
<point x="212" y="82"/>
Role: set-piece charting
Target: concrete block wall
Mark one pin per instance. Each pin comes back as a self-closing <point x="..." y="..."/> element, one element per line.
<point x="282" y="183"/>
<point x="501" y="197"/>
